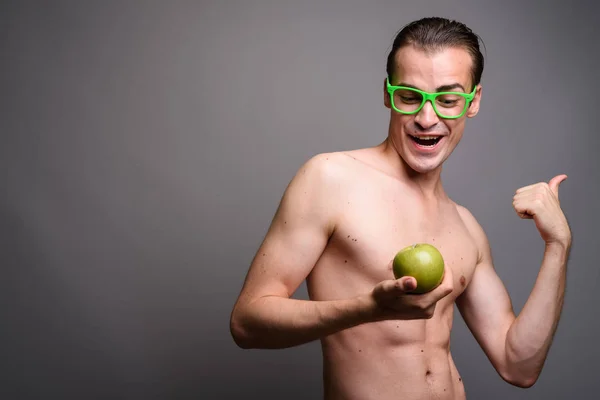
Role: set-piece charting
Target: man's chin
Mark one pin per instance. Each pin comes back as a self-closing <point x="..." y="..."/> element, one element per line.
<point x="424" y="165"/>
<point x="426" y="169"/>
<point x="426" y="162"/>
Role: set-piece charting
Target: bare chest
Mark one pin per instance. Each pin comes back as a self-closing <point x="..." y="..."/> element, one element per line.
<point x="374" y="226"/>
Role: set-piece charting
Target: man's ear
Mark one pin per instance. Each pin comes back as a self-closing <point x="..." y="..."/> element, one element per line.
<point x="474" y="106"/>
<point x="386" y="96"/>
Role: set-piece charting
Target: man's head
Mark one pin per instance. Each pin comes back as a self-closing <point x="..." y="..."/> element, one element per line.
<point x="432" y="55"/>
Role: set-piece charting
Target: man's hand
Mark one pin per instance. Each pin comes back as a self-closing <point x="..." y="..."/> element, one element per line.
<point x="394" y="300"/>
<point x="540" y="203"/>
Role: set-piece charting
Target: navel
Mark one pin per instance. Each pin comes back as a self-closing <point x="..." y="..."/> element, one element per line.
<point x="462" y="280"/>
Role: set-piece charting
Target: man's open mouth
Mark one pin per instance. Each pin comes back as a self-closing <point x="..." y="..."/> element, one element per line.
<point x="428" y="141"/>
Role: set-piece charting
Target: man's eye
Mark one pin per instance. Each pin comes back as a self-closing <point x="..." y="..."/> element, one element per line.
<point x="448" y="101"/>
<point x="409" y="99"/>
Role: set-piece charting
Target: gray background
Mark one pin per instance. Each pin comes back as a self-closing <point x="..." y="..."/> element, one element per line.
<point x="145" y="147"/>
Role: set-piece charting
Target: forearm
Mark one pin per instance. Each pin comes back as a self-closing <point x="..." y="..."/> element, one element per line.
<point x="278" y="322"/>
<point x="530" y="336"/>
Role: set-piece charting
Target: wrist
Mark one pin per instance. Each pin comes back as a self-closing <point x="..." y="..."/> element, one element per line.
<point x="558" y="250"/>
<point x="561" y="245"/>
<point x="366" y="308"/>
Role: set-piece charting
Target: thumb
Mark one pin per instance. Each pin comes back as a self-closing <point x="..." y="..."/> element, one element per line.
<point x="555" y="182"/>
<point x="409" y="283"/>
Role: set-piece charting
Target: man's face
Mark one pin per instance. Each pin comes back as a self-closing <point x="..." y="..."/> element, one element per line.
<point x="448" y="68"/>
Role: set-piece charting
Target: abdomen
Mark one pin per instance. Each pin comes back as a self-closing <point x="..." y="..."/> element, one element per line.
<point x="391" y="360"/>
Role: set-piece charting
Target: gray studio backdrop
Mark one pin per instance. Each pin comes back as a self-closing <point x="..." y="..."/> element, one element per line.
<point x="146" y="145"/>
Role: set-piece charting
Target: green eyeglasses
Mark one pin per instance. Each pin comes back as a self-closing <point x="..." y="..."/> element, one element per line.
<point x="448" y="105"/>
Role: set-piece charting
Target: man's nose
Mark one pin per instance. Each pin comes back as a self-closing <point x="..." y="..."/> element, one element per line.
<point x="426" y="117"/>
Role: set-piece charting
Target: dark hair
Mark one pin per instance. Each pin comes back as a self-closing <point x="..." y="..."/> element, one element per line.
<point x="433" y="34"/>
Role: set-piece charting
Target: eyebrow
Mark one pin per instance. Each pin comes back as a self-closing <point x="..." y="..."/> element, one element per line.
<point x="443" y="88"/>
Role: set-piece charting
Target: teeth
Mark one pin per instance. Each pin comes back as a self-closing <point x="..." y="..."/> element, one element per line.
<point x="426" y="137"/>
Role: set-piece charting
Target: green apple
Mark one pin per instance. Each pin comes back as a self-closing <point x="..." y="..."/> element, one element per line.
<point x="423" y="262"/>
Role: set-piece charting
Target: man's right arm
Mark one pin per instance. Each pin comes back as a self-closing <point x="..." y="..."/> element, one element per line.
<point x="264" y="315"/>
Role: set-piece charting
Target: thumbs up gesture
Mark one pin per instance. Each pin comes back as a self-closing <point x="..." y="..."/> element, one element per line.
<point x="540" y="203"/>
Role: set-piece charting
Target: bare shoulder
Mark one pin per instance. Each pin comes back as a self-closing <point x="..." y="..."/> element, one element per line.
<point x="321" y="177"/>
<point x="313" y="194"/>
<point x="327" y="167"/>
<point x="468" y="218"/>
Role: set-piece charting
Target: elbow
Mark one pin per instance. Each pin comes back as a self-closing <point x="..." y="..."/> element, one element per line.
<point x="238" y="332"/>
<point x="521" y="380"/>
<point x="523" y="383"/>
<point x="239" y="337"/>
<point x="521" y="368"/>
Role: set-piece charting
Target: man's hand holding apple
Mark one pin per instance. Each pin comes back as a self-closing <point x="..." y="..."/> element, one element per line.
<point x="393" y="298"/>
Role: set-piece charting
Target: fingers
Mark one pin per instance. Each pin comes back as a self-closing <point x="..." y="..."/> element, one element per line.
<point x="536" y="188"/>
<point x="524" y="214"/>
<point x="525" y="188"/>
<point x="540" y="202"/>
<point x="530" y="200"/>
<point x="524" y="209"/>
<point x="555" y="182"/>
<point x="552" y="185"/>
<point x="408" y="283"/>
<point x="524" y="202"/>
<point x="398" y="286"/>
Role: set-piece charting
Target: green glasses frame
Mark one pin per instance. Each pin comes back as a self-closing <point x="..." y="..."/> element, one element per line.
<point x="429" y="97"/>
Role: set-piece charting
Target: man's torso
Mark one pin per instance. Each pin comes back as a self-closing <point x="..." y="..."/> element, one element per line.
<point x="379" y="215"/>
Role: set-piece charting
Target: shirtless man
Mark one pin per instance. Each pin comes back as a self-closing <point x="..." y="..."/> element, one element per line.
<point x="344" y="216"/>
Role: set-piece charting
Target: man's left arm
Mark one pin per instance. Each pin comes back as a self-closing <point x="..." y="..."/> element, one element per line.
<point x="517" y="346"/>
